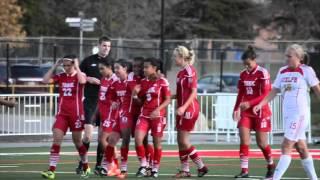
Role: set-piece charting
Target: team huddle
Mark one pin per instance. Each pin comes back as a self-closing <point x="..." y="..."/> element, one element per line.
<point x="128" y="99"/>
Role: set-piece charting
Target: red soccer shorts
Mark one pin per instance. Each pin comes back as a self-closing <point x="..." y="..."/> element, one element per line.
<point x="156" y="125"/>
<point x="187" y="121"/>
<point x="108" y="118"/>
<point x="256" y="124"/>
<point x="74" y="122"/>
<point x="124" y="121"/>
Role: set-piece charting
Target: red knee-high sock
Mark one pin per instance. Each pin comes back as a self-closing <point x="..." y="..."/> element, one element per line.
<point x="141" y="153"/>
<point x="124" y="158"/>
<point x="149" y="154"/>
<point x="54" y="157"/>
<point x="267" y="153"/>
<point x="108" y="156"/>
<point x="184" y="156"/>
<point x="115" y="160"/>
<point x="83" y="156"/>
<point x="244" y="158"/>
<point x="194" y="156"/>
<point x="156" y="159"/>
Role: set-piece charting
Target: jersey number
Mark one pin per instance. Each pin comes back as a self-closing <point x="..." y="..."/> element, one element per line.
<point x="67" y="91"/>
<point x="249" y="90"/>
<point x="293" y="125"/>
<point x="102" y="96"/>
<point x="148" y="97"/>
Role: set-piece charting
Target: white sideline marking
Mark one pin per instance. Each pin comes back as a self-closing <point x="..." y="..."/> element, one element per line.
<point x="8" y="166"/>
<point x="208" y="175"/>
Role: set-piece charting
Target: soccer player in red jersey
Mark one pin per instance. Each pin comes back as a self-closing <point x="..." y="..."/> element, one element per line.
<point x="187" y="112"/>
<point x="121" y="90"/>
<point x="155" y="95"/>
<point x="70" y="113"/>
<point x="137" y="69"/>
<point x="253" y="86"/>
<point x="107" y="115"/>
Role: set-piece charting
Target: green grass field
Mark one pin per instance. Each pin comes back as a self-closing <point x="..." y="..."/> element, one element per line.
<point x="30" y="166"/>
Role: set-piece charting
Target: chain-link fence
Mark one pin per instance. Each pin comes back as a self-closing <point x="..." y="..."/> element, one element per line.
<point x="213" y="57"/>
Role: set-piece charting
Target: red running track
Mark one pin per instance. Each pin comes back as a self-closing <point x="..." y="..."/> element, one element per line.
<point x="254" y="153"/>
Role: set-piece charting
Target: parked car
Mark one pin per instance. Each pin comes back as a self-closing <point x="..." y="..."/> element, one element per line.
<point x="210" y="83"/>
<point x="30" y="75"/>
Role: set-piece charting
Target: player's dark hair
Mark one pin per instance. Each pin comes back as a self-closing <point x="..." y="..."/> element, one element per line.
<point x="249" y="53"/>
<point x="139" y="58"/>
<point x="106" y="63"/>
<point x="104" y="39"/>
<point x="154" y="62"/>
<point x="70" y="56"/>
<point x="126" y="64"/>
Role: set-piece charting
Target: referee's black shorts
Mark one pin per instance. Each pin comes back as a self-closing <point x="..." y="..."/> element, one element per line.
<point x="90" y="112"/>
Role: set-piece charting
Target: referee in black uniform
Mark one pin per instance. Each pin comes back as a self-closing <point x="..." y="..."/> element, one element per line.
<point x="90" y="67"/>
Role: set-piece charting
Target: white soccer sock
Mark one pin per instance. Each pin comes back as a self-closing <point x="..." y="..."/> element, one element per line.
<point x="309" y="168"/>
<point x="282" y="166"/>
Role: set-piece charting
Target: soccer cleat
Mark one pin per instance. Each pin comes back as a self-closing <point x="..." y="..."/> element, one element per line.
<point x="270" y="172"/>
<point x="97" y="170"/>
<point x="103" y="172"/>
<point x="86" y="173"/>
<point x="203" y="171"/>
<point x="114" y="171"/>
<point x="242" y="175"/>
<point x="149" y="171"/>
<point x="142" y="172"/>
<point x="48" y="174"/>
<point x="182" y="174"/>
<point x="79" y="169"/>
<point x="154" y="174"/>
<point x="123" y="175"/>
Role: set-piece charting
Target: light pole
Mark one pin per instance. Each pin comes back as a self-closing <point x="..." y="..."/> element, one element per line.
<point x="84" y="25"/>
<point x="81" y="15"/>
<point x="162" y="36"/>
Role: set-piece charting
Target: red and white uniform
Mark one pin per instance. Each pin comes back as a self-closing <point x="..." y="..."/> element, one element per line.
<point x="70" y="110"/>
<point x="253" y="86"/>
<point x="122" y="93"/>
<point x="294" y="85"/>
<point x="153" y="94"/>
<point x="187" y="80"/>
<point x="107" y="114"/>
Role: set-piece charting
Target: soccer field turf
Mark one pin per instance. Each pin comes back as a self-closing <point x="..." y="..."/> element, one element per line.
<point x="27" y="163"/>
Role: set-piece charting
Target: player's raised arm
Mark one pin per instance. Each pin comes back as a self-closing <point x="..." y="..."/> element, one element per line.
<point x="47" y="78"/>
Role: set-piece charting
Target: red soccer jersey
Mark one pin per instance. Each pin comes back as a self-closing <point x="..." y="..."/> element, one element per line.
<point x="253" y="87"/>
<point x="122" y="92"/>
<point x="105" y="97"/>
<point x="186" y="80"/>
<point x="153" y="94"/>
<point x="70" y="94"/>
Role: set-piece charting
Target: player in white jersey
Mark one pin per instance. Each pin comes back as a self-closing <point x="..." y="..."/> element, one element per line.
<point x="293" y="82"/>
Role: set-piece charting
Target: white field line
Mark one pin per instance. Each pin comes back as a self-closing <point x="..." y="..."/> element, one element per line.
<point x="208" y="175"/>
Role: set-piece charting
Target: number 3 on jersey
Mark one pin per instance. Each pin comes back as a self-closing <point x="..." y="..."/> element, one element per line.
<point x="102" y="96"/>
<point x="67" y="91"/>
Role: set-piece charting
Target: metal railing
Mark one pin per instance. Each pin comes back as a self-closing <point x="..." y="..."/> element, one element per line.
<point x="35" y="115"/>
